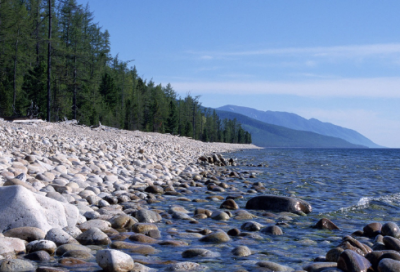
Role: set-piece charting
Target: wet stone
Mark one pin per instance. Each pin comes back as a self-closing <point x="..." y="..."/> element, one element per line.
<point x="233" y="232"/>
<point x="325" y="223"/>
<point x="390" y="229"/>
<point x="391" y="243"/>
<point x="229" y="204"/>
<point x="68" y="247"/>
<point x="351" y="261"/>
<point x="80" y="254"/>
<point x="251" y="226"/>
<point x="216" y="237"/>
<point x="389" y="265"/>
<point x="141" y="238"/>
<point x="241" y="251"/>
<point x="39" y="256"/>
<point x="274" y="266"/>
<point x="372" y="229"/>
<point x="272" y="230"/>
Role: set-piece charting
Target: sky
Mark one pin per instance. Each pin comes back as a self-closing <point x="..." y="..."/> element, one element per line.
<point x="336" y="61"/>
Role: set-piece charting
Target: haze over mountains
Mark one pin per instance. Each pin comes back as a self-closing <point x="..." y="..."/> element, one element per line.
<point x="294" y="129"/>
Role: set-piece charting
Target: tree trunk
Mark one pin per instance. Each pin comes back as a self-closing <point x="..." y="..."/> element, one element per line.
<point x="37" y="34"/>
<point x="74" y="98"/>
<point x="15" y="70"/>
<point x="49" y="66"/>
<point x="194" y="120"/>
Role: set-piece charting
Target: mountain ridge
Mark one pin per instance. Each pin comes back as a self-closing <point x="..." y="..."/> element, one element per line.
<point x="294" y="121"/>
<point x="269" y="135"/>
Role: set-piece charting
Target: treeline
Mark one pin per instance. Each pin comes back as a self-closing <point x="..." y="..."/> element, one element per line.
<point x="54" y="55"/>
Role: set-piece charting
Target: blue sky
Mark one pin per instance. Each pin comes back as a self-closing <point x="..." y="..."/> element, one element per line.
<point x="337" y="61"/>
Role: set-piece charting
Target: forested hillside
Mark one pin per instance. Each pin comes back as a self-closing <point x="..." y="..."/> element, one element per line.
<point x="54" y="54"/>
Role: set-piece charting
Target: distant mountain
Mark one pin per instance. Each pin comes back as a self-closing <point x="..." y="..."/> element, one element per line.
<point x="294" y="121"/>
<point x="267" y="135"/>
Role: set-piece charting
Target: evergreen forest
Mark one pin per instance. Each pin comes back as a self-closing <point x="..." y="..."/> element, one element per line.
<point x="54" y="55"/>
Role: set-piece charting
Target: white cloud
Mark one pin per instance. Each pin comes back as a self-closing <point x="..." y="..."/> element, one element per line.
<point x="328" y="51"/>
<point x="380" y="130"/>
<point x="388" y="87"/>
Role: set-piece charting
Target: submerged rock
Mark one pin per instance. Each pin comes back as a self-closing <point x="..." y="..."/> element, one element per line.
<point x="325" y="223"/>
<point x="278" y="203"/>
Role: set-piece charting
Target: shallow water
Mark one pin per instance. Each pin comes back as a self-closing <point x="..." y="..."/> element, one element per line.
<point x="352" y="187"/>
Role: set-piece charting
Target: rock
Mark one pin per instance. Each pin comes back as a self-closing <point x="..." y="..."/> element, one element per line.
<point x="319" y="266"/>
<point x="143" y="227"/>
<point x="195" y="252"/>
<point x="273" y="230"/>
<point x="93" y="236"/>
<point x="11" y="245"/>
<point x="68" y="247"/>
<point x="114" y="260"/>
<point x="19" y="208"/>
<point x="79" y="254"/>
<point x="59" y="237"/>
<point x="216" y="237"/>
<point x="154" y="189"/>
<point x="134" y="248"/>
<point x="123" y="221"/>
<point x="351" y="261"/>
<point x="17" y="182"/>
<point x="16" y="265"/>
<point x="333" y="254"/>
<point x="50" y="269"/>
<point x="243" y="215"/>
<point x="141" y="238"/>
<point x="390" y="229"/>
<point x="103" y="225"/>
<point x="391" y="243"/>
<point x="278" y="203"/>
<point x="147" y="216"/>
<point x="46" y="245"/>
<point x="229" y="204"/>
<point x="220" y="215"/>
<point x="185" y="266"/>
<point x="251" y="226"/>
<point x="141" y="268"/>
<point x="388" y="265"/>
<point x="75" y="263"/>
<point x="28" y="234"/>
<point x="372" y="229"/>
<point x="233" y="232"/>
<point x="39" y="256"/>
<point x="325" y="223"/>
<point x="180" y="215"/>
<point x="274" y="266"/>
<point x="73" y="231"/>
<point x="173" y="243"/>
<point x="241" y="251"/>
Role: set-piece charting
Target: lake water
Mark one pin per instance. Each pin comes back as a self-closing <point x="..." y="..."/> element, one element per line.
<point x="352" y="187"/>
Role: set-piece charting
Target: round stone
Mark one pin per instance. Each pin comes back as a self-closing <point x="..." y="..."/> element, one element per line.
<point x="114" y="260"/>
<point x="390" y="229"/>
<point x="216" y="237"/>
<point x="241" y="251"/>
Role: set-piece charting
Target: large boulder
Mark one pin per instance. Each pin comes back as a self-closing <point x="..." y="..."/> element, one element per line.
<point x="19" y="207"/>
<point x="278" y="203"/>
